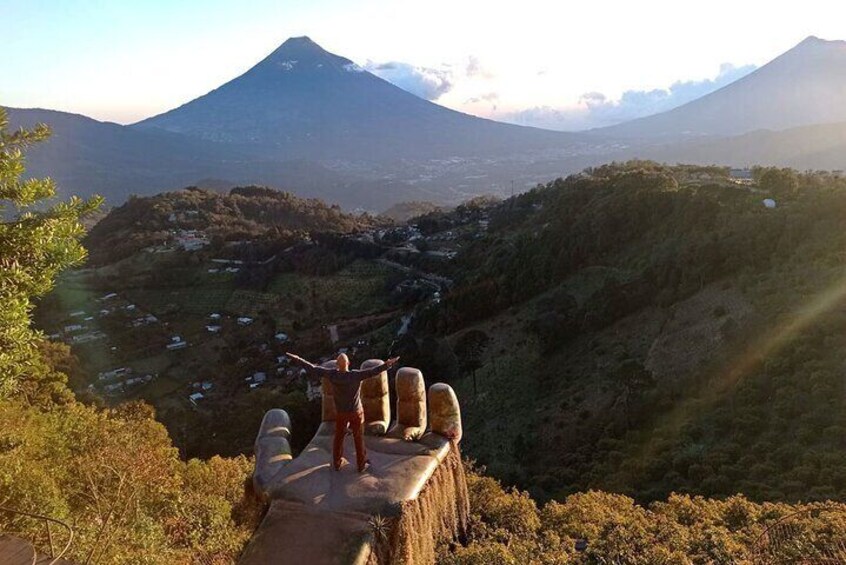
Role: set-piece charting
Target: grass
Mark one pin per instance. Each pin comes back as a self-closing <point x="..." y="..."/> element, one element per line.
<point x="586" y="282"/>
<point x="356" y="290"/>
<point x="159" y="388"/>
<point x="73" y="292"/>
<point x="97" y="357"/>
<point x="503" y="409"/>
<point x="199" y="300"/>
<point x="154" y="365"/>
<point x="250" y="302"/>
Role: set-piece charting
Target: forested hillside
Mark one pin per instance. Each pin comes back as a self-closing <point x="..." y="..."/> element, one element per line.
<point x="245" y="213"/>
<point x="646" y="329"/>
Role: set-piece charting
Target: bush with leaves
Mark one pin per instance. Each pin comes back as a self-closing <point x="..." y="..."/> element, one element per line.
<point x="594" y="527"/>
<point x="112" y="475"/>
<point x="35" y="245"/>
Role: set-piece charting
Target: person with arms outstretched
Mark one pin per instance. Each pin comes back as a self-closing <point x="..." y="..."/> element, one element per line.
<point x="349" y="411"/>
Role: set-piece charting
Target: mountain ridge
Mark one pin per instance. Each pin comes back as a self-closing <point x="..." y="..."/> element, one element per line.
<point x="309" y="121"/>
<point x="302" y="101"/>
<point x="802" y="86"/>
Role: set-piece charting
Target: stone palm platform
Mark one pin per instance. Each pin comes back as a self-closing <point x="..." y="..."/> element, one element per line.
<point x="412" y="495"/>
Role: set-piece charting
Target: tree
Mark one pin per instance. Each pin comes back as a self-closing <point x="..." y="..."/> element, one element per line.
<point x="114" y="474"/>
<point x="778" y="182"/>
<point x="469" y="349"/>
<point x="34" y="247"/>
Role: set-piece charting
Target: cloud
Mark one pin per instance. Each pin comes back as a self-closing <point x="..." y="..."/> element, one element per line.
<point x="475" y="68"/>
<point x="425" y="82"/>
<point x="595" y="109"/>
<point x="487" y="97"/>
<point x="428" y="82"/>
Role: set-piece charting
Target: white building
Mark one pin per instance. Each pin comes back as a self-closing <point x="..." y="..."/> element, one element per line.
<point x="119" y="372"/>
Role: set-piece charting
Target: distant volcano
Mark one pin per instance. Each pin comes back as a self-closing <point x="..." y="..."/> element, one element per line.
<point x="804" y="86"/>
<point x="302" y="101"/>
<point x="320" y="125"/>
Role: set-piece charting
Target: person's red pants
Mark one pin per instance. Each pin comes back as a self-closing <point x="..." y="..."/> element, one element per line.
<point x="355" y="420"/>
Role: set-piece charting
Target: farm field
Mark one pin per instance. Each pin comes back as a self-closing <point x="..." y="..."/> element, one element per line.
<point x="356" y="290"/>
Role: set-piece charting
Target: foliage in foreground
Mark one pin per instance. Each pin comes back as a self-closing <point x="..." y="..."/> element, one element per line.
<point x="508" y="527"/>
<point x="112" y="475"/>
<point x="34" y="247"/>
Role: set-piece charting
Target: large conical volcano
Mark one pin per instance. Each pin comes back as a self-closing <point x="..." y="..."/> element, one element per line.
<point x="804" y="86"/>
<point x="302" y="101"/>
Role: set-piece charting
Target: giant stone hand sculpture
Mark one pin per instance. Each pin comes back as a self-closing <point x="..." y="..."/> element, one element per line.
<point x="413" y="494"/>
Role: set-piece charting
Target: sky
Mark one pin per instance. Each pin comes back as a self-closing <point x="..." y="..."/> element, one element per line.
<point x="557" y="64"/>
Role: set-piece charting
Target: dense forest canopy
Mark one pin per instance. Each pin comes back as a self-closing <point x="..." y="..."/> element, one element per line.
<point x="672" y="331"/>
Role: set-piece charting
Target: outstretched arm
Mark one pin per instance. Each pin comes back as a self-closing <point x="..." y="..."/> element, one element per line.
<point x="363" y="374"/>
<point x="299" y="360"/>
<point x="314" y="371"/>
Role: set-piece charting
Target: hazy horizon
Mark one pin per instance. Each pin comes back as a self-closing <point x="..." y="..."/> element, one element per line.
<point x="125" y="63"/>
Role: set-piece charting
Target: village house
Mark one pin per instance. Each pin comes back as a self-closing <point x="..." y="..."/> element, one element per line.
<point x="256" y="380"/>
<point x="176" y="342"/>
<point x="87" y="337"/>
<point x="108" y="375"/>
